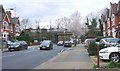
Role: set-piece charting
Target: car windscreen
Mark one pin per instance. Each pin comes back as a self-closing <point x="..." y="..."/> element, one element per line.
<point x="112" y="40"/>
<point x="16" y="43"/>
<point x="45" y="43"/>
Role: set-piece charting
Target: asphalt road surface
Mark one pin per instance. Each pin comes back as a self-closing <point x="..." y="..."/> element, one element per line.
<point x="28" y="59"/>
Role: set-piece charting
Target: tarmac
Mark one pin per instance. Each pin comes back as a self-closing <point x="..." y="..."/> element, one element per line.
<point x="73" y="58"/>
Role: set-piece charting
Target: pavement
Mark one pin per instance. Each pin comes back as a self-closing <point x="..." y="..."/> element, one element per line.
<point x="95" y="61"/>
<point x="73" y="58"/>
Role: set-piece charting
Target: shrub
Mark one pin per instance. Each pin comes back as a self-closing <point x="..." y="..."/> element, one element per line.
<point x="92" y="50"/>
<point x="99" y="38"/>
<point x="25" y="37"/>
<point x="112" y="64"/>
<point x="102" y="46"/>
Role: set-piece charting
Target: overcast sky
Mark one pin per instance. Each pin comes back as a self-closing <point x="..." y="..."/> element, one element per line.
<point x="46" y="10"/>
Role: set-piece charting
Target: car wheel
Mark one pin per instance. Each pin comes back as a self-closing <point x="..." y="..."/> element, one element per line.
<point x="115" y="57"/>
<point x="52" y="48"/>
<point x="40" y="48"/>
<point x="26" y="48"/>
<point x="10" y="50"/>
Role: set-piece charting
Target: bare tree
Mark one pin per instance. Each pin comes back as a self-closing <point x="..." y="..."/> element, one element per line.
<point x="65" y="22"/>
<point x="62" y="22"/>
<point x="72" y="24"/>
<point x="37" y="24"/>
<point x="76" y="27"/>
<point x="58" y="23"/>
<point x="25" y="23"/>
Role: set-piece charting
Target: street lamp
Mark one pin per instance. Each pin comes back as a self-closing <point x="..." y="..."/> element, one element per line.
<point x="64" y="36"/>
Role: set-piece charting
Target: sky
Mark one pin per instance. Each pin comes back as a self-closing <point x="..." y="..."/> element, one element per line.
<point x="49" y="10"/>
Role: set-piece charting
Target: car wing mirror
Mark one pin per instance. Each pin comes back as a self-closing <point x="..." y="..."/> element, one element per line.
<point x="119" y="41"/>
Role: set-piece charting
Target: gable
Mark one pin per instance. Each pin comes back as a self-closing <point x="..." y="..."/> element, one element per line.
<point x="6" y="18"/>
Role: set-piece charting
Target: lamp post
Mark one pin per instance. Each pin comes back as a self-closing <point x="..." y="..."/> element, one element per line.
<point x="64" y="36"/>
<point x="98" y="56"/>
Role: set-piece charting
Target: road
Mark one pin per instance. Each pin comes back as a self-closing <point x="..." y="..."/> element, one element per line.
<point x="74" y="58"/>
<point x="28" y="59"/>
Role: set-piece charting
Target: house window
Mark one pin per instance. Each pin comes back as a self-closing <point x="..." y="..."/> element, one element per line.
<point x="4" y="35"/>
<point x="4" y="25"/>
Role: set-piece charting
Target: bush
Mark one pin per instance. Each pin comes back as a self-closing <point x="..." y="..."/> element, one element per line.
<point x="113" y="64"/>
<point x="26" y="38"/>
<point x="102" y="46"/>
<point x="99" y="38"/>
<point x="92" y="50"/>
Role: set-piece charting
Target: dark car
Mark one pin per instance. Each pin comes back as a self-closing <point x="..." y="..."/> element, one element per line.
<point x="18" y="45"/>
<point x="67" y="44"/>
<point x="46" y="44"/>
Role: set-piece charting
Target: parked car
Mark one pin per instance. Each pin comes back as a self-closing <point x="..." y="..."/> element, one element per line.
<point x="72" y="42"/>
<point x="111" y="53"/>
<point x="7" y="42"/>
<point x="109" y="41"/>
<point x="46" y="44"/>
<point x="88" y="41"/>
<point x="60" y="43"/>
<point x="67" y="44"/>
<point x="18" y="45"/>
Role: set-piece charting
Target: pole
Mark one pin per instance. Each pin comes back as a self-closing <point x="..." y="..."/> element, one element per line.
<point x="2" y="35"/>
<point x="15" y="23"/>
<point x="98" y="57"/>
<point x="64" y="36"/>
<point x="2" y="43"/>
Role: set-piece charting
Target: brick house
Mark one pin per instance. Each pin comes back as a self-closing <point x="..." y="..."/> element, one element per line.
<point x="9" y="26"/>
<point x="112" y="19"/>
<point x="6" y="26"/>
<point x="2" y="13"/>
<point x="105" y="22"/>
<point x="118" y="25"/>
<point x="16" y="26"/>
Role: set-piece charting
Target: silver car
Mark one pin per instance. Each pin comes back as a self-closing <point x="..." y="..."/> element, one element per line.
<point x="109" y="41"/>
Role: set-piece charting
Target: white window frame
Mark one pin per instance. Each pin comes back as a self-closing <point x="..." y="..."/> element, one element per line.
<point x="5" y="25"/>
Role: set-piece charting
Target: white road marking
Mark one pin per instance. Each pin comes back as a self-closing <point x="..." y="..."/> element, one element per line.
<point x="28" y="51"/>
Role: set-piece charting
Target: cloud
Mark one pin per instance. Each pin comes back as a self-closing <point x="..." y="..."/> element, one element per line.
<point x="47" y="10"/>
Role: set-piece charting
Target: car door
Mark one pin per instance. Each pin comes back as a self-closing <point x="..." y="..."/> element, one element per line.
<point x="119" y="48"/>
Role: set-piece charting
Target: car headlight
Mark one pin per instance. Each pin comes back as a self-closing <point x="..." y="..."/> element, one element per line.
<point x="47" y="45"/>
<point x="17" y="46"/>
<point x="105" y="51"/>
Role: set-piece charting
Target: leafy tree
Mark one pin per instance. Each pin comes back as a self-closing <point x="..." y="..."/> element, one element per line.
<point x="101" y="26"/>
<point x="25" y="36"/>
